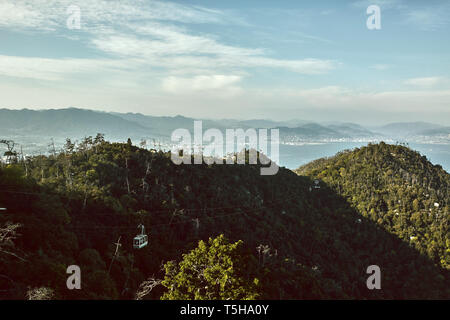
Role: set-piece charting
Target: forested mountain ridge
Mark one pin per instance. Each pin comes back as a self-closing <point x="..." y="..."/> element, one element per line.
<point x="398" y="189"/>
<point x="298" y="242"/>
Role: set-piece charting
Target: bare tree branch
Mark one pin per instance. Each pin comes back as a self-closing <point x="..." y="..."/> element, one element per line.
<point x="7" y="234"/>
<point x="42" y="293"/>
<point x="146" y="287"/>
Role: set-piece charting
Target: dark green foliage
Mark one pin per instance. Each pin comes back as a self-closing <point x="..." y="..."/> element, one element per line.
<point x="213" y="271"/>
<point x="300" y="244"/>
<point x="396" y="188"/>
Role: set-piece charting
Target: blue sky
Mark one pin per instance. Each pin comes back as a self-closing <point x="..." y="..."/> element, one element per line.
<point x="313" y="60"/>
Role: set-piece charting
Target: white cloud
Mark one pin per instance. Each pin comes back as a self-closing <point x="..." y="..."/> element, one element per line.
<point x="158" y="39"/>
<point x="383" y="4"/>
<point x="175" y="48"/>
<point x="320" y="104"/>
<point x="349" y="100"/>
<point x="426" y="82"/>
<point x="428" y="18"/>
<point x="23" y="14"/>
<point x="54" y="69"/>
<point x="39" y="14"/>
<point x="139" y="32"/>
<point x="202" y="83"/>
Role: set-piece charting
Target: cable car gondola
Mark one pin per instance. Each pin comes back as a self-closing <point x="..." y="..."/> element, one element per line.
<point x="141" y="240"/>
<point x="316" y="184"/>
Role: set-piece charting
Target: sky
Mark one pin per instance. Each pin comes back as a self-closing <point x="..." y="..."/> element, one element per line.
<point x="242" y="59"/>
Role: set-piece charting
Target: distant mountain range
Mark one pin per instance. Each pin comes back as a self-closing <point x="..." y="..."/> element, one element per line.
<point x="66" y="123"/>
<point x="78" y="123"/>
<point x="408" y="129"/>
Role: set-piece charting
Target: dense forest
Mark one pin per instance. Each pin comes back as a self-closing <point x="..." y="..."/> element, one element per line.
<point x="396" y="188"/>
<point x="222" y="231"/>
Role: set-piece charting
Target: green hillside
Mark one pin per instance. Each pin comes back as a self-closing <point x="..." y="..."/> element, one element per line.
<point x="398" y="189"/>
<point x="286" y="240"/>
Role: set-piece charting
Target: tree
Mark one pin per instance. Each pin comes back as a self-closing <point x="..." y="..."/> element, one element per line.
<point x="42" y="293"/>
<point x="8" y="233"/>
<point x="213" y="271"/>
<point x="99" y="139"/>
<point x="146" y="287"/>
<point x="416" y="205"/>
<point x="10" y="154"/>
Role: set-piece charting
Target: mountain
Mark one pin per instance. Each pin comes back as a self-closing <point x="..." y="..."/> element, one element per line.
<point x="298" y="241"/>
<point x="310" y="130"/>
<point x="77" y="123"/>
<point x="261" y="123"/>
<point x="164" y="126"/>
<point x="35" y="130"/>
<point x="317" y="132"/>
<point x="351" y="130"/>
<point x="68" y="123"/>
<point x="256" y="123"/>
<point x="397" y="188"/>
<point x="406" y="129"/>
<point x="441" y="131"/>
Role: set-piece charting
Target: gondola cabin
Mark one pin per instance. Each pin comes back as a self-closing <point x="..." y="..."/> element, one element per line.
<point x="316" y="184"/>
<point x="141" y="240"/>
